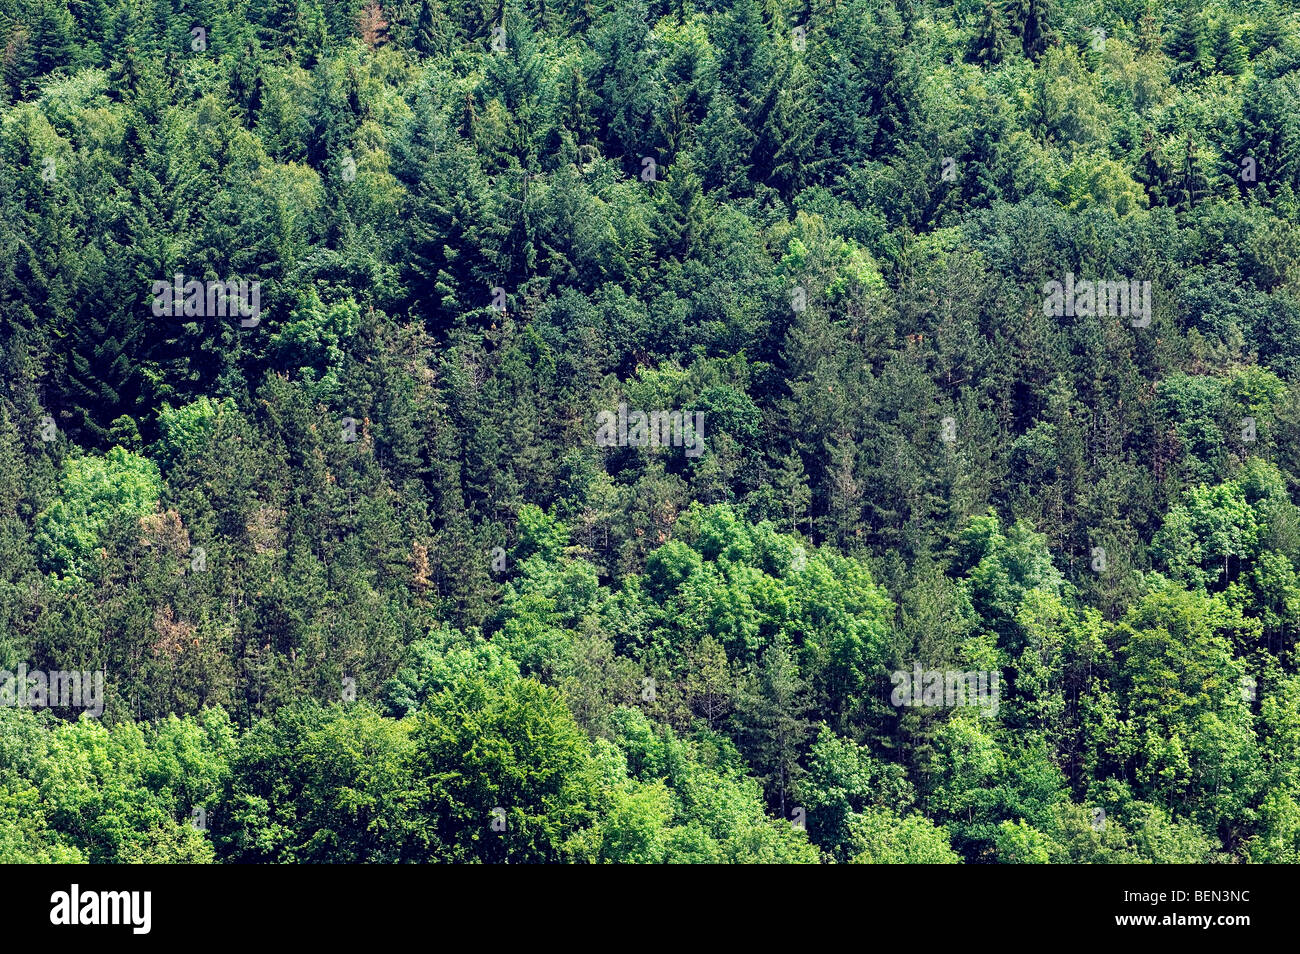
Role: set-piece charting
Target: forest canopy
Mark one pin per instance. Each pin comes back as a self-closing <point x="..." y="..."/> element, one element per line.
<point x="863" y="431"/>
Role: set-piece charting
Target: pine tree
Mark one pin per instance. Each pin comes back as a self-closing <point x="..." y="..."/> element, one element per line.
<point x="1264" y="133"/>
<point x="99" y="379"/>
<point x="745" y="60"/>
<point x="628" y="92"/>
<point x="710" y="681"/>
<point x="373" y="25"/>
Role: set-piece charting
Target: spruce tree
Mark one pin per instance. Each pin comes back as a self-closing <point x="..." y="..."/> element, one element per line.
<point x="992" y="39"/>
<point x="1229" y="53"/>
<point x="19" y="68"/>
<point x="1032" y="22"/>
<point x="1191" y="184"/>
<point x="50" y="39"/>
<point x="1189" y="44"/>
<point x="1153" y="169"/>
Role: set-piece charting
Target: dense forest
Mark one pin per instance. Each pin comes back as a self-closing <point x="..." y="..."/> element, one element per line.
<point x="599" y="430"/>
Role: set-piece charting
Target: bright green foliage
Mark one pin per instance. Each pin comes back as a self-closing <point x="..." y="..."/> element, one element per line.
<point x="315" y="785"/>
<point x="186" y="430"/>
<point x="96" y="495"/>
<point x="310" y="343"/>
<point x="881" y="837"/>
<point x="501" y="773"/>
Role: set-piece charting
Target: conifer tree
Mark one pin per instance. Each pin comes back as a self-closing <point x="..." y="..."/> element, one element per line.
<point x="992" y="39"/>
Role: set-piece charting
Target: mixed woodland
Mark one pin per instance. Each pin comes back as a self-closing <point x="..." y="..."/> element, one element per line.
<point x="363" y="585"/>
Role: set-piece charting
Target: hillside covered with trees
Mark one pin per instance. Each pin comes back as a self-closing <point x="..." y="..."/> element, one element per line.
<point x="309" y="311"/>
